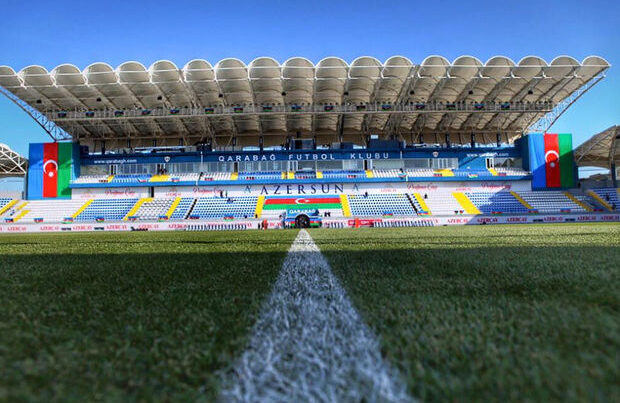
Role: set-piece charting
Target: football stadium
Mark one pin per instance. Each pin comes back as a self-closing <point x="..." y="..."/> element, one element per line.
<point x="327" y="229"/>
<point x="298" y="145"/>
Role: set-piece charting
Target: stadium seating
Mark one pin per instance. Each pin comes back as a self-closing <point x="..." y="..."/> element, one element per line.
<point x="420" y="172"/>
<point x="381" y="204"/>
<point x="344" y="174"/>
<point x="183" y="208"/>
<point x="443" y="203"/>
<point x="215" y="176"/>
<point x="4" y="201"/>
<point x="219" y="207"/>
<point x="92" y="179"/>
<point x="300" y="175"/>
<point x="49" y="212"/>
<point x="249" y="176"/>
<point x="609" y="196"/>
<point x="387" y="173"/>
<point x="305" y="175"/>
<point x="187" y="177"/>
<point x="496" y="202"/>
<point x="130" y="178"/>
<point x="439" y="201"/>
<point x="550" y="202"/>
<point x="511" y="172"/>
<point x="468" y="173"/>
<point x="153" y="209"/>
<point x="107" y="209"/>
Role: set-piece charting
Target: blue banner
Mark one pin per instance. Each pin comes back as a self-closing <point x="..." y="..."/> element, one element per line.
<point x="536" y="152"/>
<point x="35" y="172"/>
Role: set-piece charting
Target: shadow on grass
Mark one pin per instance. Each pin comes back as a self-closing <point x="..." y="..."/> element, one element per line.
<point x="127" y="326"/>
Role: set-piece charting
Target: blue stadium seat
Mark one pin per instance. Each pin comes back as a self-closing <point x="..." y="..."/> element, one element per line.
<point x="108" y="209"/>
<point x="494" y="202"/>
<point x="217" y="207"/>
<point x="381" y="204"/>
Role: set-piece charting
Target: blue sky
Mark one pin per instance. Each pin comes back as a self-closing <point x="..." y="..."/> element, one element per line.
<point x="51" y="33"/>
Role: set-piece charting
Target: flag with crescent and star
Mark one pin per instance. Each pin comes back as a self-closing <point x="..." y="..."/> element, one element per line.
<point x="50" y="170"/>
<point x="551" y="160"/>
<point x="305" y="202"/>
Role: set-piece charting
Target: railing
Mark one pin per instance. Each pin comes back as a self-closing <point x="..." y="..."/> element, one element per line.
<point x="301" y="109"/>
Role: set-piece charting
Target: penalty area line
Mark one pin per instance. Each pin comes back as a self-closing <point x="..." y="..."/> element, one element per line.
<point x="309" y="343"/>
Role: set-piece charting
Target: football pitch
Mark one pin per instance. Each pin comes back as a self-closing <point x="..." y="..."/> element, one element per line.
<point x="485" y="313"/>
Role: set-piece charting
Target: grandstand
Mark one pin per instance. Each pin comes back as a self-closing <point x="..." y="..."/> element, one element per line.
<point x="361" y="140"/>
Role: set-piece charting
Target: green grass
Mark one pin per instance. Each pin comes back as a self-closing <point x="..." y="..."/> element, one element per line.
<point x="492" y="313"/>
<point x="486" y="313"/>
<point x="129" y="316"/>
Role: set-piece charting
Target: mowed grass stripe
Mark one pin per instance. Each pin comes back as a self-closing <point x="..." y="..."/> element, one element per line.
<point x="490" y="313"/>
<point x="129" y="316"/>
<point x="309" y="343"/>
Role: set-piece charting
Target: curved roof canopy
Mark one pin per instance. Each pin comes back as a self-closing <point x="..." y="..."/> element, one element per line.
<point x="600" y="150"/>
<point x="331" y="99"/>
<point x="11" y="163"/>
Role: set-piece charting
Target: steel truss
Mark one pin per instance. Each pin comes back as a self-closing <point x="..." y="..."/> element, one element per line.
<point x="12" y="165"/>
<point x="543" y="124"/>
<point x="110" y="114"/>
<point x="51" y="128"/>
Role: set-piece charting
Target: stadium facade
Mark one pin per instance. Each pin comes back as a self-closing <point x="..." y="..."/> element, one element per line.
<point x="338" y="144"/>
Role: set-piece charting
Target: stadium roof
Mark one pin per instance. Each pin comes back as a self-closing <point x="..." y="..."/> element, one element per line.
<point x="11" y="163"/>
<point x="601" y="150"/>
<point x="332" y="100"/>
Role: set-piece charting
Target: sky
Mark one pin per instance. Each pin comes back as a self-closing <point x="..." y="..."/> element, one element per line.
<point x="52" y="33"/>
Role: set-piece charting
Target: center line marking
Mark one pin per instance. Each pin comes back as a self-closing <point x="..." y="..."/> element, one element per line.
<point x="310" y="344"/>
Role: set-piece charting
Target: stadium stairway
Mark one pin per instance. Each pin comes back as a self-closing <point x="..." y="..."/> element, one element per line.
<point x="582" y="203"/>
<point x="47" y="211"/>
<point x="443" y="172"/>
<point x="183" y="209"/>
<point x="152" y="209"/>
<point x="173" y="206"/>
<point x="550" y="202"/>
<point x="6" y="205"/>
<point x="418" y="201"/>
<point x="84" y="206"/>
<point x="497" y="202"/>
<point x="466" y="204"/>
<point x="136" y="207"/>
<point x="107" y="209"/>
<point x="346" y="208"/>
<point x="259" y="206"/>
<point x="16" y="211"/>
<point x="521" y="200"/>
<point x="605" y="197"/>
<point x="443" y="203"/>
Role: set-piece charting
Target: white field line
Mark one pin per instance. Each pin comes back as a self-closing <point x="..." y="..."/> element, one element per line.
<point x="310" y="344"/>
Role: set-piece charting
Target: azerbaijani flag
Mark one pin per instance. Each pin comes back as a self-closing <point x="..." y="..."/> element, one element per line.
<point x="50" y="170"/>
<point x="302" y="202"/>
<point x="551" y="160"/>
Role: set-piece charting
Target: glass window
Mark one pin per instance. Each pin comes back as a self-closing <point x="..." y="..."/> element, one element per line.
<point x="417" y="163"/>
<point x="273" y="165"/>
<point x="353" y="165"/>
<point x="387" y="164"/>
<point x="94" y="170"/>
<point x="508" y="162"/>
<point x="306" y="165"/>
<point x="444" y="163"/>
<point x="329" y="165"/>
